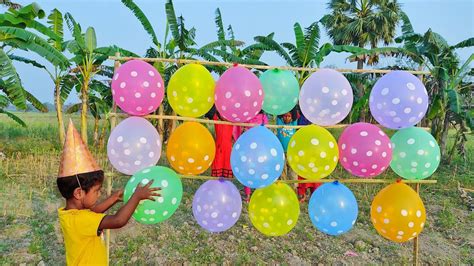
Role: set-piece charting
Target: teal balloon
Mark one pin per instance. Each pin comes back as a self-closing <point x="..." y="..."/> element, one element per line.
<point x="152" y="212"/>
<point x="281" y="91"/>
<point x="415" y="154"/>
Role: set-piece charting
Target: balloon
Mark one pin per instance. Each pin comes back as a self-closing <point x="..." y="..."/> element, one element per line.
<point x="365" y="150"/>
<point x="191" y="90"/>
<point x="191" y="149"/>
<point x="257" y="158"/>
<point x="133" y="145"/>
<point x="152" y="212"/>
<point x="333" y="208"/>
<point x="274" y="210"/>
<point x="137" y="88"/>
<point x="416" y="153"/>
<point x="398" y="100"/>
<point x="398" y="213"/>
<point x="217" y="205"/>
<point x="326" y="97"/>
<point x="312" y="152"/>
<point x="239" y="94"/>
<point x="281" y="91"/>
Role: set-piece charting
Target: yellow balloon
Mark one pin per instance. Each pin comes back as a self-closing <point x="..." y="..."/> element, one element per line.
<point x="191" y="90"/>
<point x="191" y="149"/>
<point x="274" y="210"/>
<point x="398" y="213"/>
<point x="313" y="152"/>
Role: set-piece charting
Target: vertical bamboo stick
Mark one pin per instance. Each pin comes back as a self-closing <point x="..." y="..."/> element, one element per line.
<point x="113" y="122"/>
<point x="416" y="260"/>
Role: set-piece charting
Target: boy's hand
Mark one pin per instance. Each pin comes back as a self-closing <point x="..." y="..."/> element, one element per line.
<point x="146" y="192"/>
<point x="118" y="195"/>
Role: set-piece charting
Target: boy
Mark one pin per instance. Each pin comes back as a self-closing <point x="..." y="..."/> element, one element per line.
<point x="284" y="135"/>
<point x="82" y="220"/>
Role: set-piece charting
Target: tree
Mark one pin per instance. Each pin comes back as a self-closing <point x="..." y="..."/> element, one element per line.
<point x="15" y="34"/>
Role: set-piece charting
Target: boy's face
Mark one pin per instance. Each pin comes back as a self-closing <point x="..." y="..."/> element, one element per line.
<point x="287" y="118"/>
<point x="91" y="197"/>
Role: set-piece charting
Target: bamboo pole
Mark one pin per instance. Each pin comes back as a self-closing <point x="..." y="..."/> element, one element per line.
<point x="309" y="69"/>
<point x="207" y="121"/>
<point x="416" y="260"/>
<point x="113" y="122"/>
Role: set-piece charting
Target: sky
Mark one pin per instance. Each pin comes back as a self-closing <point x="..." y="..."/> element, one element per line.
<point x="115" y="24"/>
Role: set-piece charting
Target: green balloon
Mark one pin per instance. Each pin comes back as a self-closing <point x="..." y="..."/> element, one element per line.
<point x="152" y="212"/>
<point x="281" y="91"/>
<point x="416" y="153"/>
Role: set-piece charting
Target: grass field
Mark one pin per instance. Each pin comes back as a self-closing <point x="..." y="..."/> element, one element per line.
<point x="30" y="233"/>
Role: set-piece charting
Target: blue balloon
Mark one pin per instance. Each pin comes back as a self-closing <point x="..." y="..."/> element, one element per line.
<point x="333" y="208"/>
<point x="257" y="158"/>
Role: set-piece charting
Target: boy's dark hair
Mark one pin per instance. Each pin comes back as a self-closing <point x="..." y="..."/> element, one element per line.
<point x="67" y="185"/>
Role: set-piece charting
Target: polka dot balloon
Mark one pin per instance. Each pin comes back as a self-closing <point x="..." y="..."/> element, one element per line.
<point x="257" y="158"/>
<point x="137" y="88"/>
<point x="152" y="212"/>
<point x="191" y="90"/>
<point x="312" y="152"/>
<point x="191" y="149"/>
<point x="326" y="97"/>
<point x="239" y="94"/>
<point x="416" y="154"/>
<point x="274" y="210"/>
<point x="398" y="100"/>
<point x="397" y="213"/>
<point x="217" y="205"/>
<point x="134" y="144"/>
<point x="333" y="208"/>
<point x="365" y="150"/>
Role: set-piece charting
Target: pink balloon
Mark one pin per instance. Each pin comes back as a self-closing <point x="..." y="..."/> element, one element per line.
<point x="137" y="88"/>
<point x="239" y="94"/>
<point x="365" y="150"/>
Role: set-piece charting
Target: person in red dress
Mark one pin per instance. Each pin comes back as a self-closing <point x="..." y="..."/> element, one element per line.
<point x="221" y="165"/>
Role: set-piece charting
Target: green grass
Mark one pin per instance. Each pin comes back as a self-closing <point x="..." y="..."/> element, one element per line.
<point x="29" y="230"/>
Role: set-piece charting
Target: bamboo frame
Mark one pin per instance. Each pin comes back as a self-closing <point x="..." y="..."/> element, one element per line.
<point x="117" y="58"/>
<point x="212" y="63"/>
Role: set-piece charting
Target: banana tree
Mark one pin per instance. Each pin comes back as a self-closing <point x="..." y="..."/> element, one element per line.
<point x="88" y="62"/>
<point x="15" y="34"/>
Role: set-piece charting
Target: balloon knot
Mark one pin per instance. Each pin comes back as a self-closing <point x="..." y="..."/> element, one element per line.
<point x="235" y="64"/>
<point x="221" y="178"/>
<point x="399" y="180"/>
<point x="336" y="182"/>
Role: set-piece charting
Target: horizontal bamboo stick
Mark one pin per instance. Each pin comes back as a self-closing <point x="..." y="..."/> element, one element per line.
<point x="208" y="121"/>
<point x="347" y="181"/>
<point x="309" y="69"/>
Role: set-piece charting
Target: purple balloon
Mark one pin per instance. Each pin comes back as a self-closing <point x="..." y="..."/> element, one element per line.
<point x="217" y="205"/>
<point x="326" y="97"/>
<point x="133" y="145"/>
<point x="398" y="100"/>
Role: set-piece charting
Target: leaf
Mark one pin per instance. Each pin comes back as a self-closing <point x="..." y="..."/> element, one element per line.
<point x="407" y="28"/>
<point x="143" y="20"/>
<point x="220" y="29"/>
<point x="30" y="41"/>
<point x="466" y="43"/>
<point x="436" y="108"/>
<point x="311" y="43"/>
<point x="26" y="61"/>
<point x="91" y="40"/>
<point x="274" y="46"/>
<point x="55" y="20"/>
<point x="454" y="102"/>
<point x="171" y="19"/>
<point x="35" y="102"/>
<point x="300" y="41"/>
<point x="76" y="31"/>
<point x="10" y="82"/>
<point x="74" y="108"/>
<point x="324" y="50"/>
<point x="13" y="117"/>
<point x="223" y="43"/>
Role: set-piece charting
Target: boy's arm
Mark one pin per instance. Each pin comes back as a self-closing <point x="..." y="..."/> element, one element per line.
<point x="121" y="218"/>
<point x="108" y="202"/>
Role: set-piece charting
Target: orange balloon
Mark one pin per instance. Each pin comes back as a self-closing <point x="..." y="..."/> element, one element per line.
<point x="398" y="213"/>
<point x="191" y="149"/>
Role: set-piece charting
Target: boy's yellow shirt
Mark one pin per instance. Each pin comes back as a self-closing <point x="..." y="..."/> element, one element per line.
<point x="83" y="244"/>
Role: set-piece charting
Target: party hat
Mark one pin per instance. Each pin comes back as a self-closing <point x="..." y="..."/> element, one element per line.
<point x="76" y="158"/>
